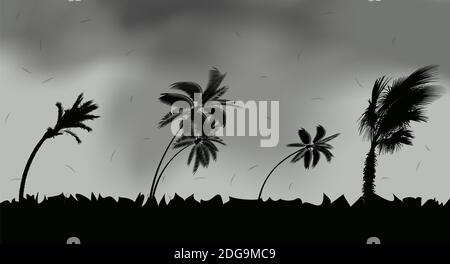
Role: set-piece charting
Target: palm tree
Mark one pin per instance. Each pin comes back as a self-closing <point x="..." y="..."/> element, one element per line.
<point x="67" y="119"/>
<point x="212" y="94"/>
<point x="309" y="151"/>
<point x="387" y="120"/>
<point x="203" y="149"/>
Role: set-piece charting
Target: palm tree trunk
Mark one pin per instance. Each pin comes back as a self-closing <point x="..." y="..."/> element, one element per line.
<point x="160" y="162"/>
<point x="28" y="165"/>
<point x="270" y="173"/>
<point x="162" y="171"/>
<point x="369" y="174"/>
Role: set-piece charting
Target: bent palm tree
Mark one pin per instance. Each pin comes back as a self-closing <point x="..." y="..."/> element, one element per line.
<point x="67" y="119"/>
<point x="203" y="149"/>
<point x="386" y="121"/>
<point x="309" y="151"/>
<point x="212" y="95"/>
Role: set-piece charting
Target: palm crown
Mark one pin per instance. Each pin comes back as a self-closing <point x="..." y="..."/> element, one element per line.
<point x="212" y="94"/>
<point x="392" y="108"/>
<point x="312" y="150"/>
<point x="73" y="118"/>
<point x="202" y="151"/>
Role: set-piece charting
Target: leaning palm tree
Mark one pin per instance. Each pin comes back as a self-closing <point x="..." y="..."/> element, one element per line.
<point x="67" y="119"/>
<point x="387" y="120"/>
<point x="203" y="149"/>
<point x="309" y="151"/>
<point x="212" y="95"/>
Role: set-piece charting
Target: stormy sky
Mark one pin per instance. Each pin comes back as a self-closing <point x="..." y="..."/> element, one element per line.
<point x="318" y="58"/>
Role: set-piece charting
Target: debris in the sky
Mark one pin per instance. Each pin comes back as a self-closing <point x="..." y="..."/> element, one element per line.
<point x="418" y="165"/>
<point x="7" y="118"/>
<point x="129" y="52"/>
<point x="25" y="70"/>
<point x="200" y="178"/>
<point x="49" y="79"/>
<point x="429" y="150"/>
<point x="290" y="185"/>
<point x="263" y="76"/>
<point x="147" y="138"/>
<point x="70" y="168"/>
<point x="359" y="83"/>
<point x="85" y="20"/>
<point x="317" y="98"/>
<point x="394" y="40"/>
<point x="112" y="156"/>
<point x="384" y="178"/>
<point x="232" y="179"/>
<point x="131" y="99"/>
<point x="18" y="16"/>
<point x="252" y="167"/>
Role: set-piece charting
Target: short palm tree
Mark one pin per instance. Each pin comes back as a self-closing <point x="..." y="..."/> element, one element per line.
<point x="309" y="151"/>
<point x="203" y="149"/>
<point x="212" y="95"/>
<point x="67" y="119"/>
<point x="387" y="120"/>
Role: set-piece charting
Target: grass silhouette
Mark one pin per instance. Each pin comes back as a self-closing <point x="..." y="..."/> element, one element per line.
<point x="185" y="221"/>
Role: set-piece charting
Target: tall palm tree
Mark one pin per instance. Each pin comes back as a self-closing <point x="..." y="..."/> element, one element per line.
<point x="212" y="94"/>
<point x="203" y="149"/>
<point x="67" y="119"/>
<point x="309" y="151"/>
<point x="387" y="120"/>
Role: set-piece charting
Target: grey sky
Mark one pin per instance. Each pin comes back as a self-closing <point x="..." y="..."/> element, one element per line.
<point x="112" y="50"/>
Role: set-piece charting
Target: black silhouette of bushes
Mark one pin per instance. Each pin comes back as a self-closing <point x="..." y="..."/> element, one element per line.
<point x="185" y="221"/>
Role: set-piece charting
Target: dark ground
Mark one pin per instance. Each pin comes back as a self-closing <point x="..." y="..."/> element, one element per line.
<point x="103" y="220"/>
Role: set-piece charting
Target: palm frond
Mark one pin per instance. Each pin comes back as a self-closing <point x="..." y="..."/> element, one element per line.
<point x="328" y="155"/>
<point x="369" y="119"/>
<point x="305" y="137"/>
<point x="316" y="157"/>
<point x="191" y="155"/>
<point x="219" y="92"/>
<point x="295" y="145"/>
<point x="78" y="101"/>
<point x="307" y="158"/>
<point x="60" y="111"/>
<point x="411" y="86"/>
<point x="215" y="79"/>
<point x="212" y="149"/>
<point x="217" y="140"/>
<point x="197" y="161"/>
<point x="190" y="88"/>
<point x="73" y="135"/>
<point x="74" y="117"/>
<point x="182" y="142"/>
<point x="329" y="138"/>
<point x="395" y="141"/>
<point x="171" y="98"/>
<point x="82" y="126"/>
<point x="320" y="133"/>
<point x="167" y="119"/>
<point x="299" y="155"/>
<point x="206" y="155"/>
